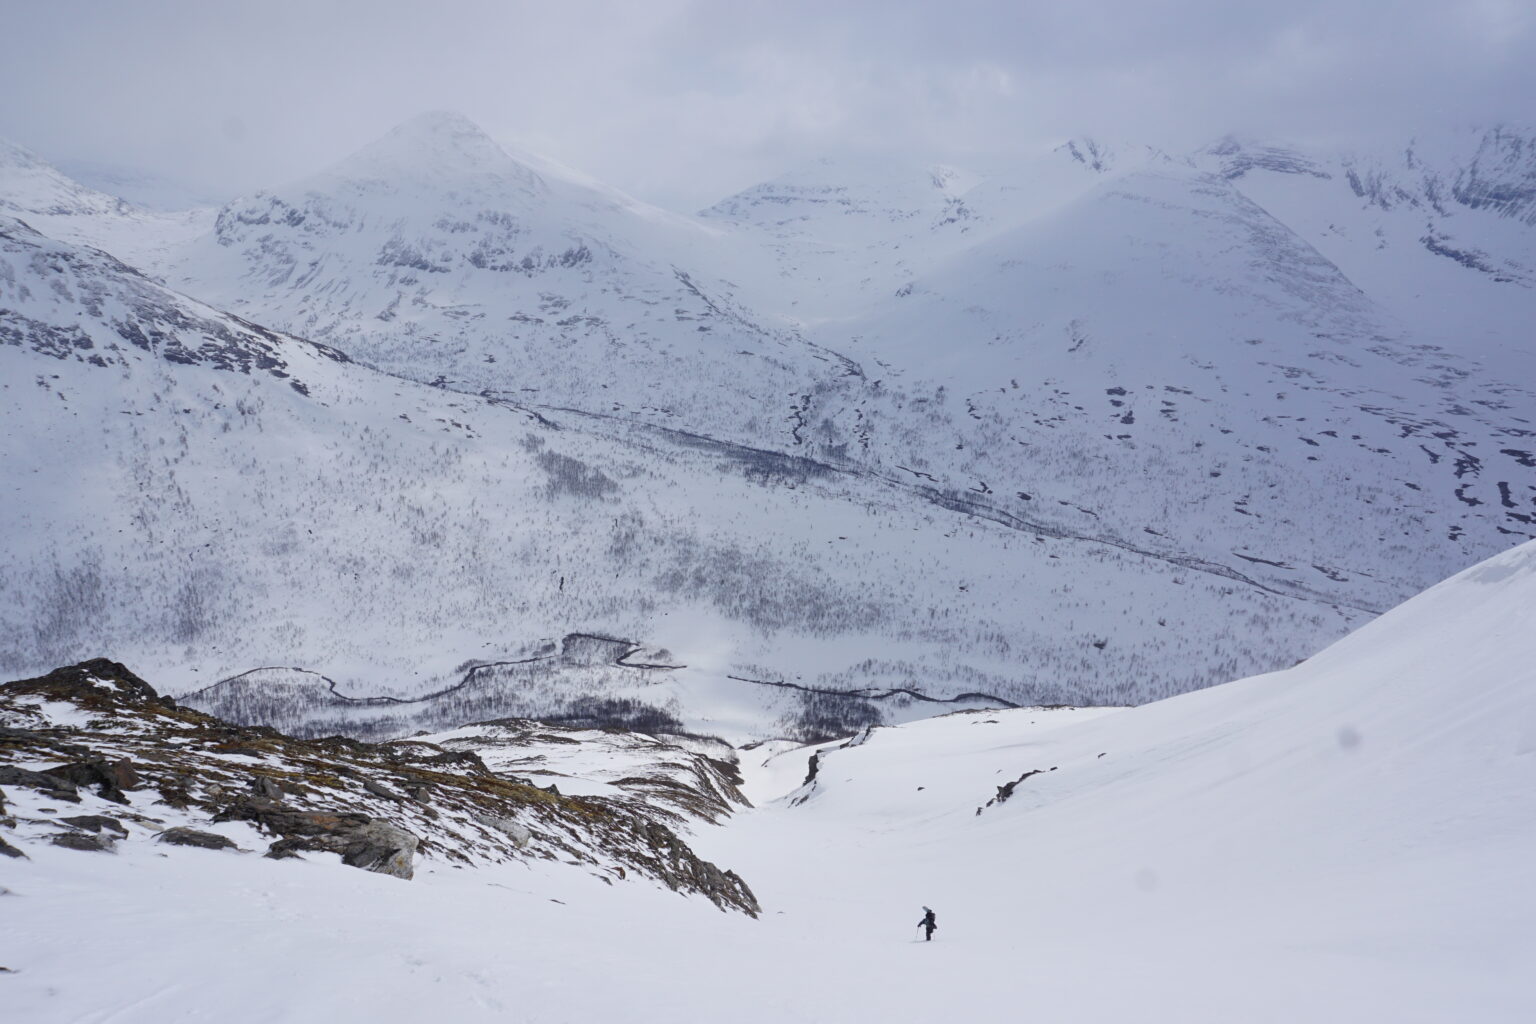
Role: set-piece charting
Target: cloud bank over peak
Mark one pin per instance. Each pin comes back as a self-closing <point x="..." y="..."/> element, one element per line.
<point x="683" y="102"/>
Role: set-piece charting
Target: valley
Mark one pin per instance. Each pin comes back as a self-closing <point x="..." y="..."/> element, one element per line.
<point x="1103" y="427"/>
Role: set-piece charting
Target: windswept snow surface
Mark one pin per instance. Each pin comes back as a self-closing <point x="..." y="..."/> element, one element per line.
<point x="1348" y="840"/>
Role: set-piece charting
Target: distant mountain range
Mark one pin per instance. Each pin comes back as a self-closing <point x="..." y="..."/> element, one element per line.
<point x="1102" y="426"/>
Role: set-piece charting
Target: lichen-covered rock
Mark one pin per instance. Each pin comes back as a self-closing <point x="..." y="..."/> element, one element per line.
<point x="374" y="806"/>
<point x="520" y="834"/>
<point x="680" y="868"/>
<point x="372" y="844"/>
<point x="266" y="788"/>
<point x="382" y="847"/>
<point x="93" y="679"/>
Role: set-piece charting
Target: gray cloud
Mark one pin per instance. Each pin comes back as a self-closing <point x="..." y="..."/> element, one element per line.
<point x="682" y="101"/>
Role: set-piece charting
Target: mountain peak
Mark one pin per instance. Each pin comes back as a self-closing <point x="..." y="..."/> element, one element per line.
<point x="12" y="155"/>
<point x="1089" y="152"/>
<point x="437" y="145"/>
<point x="1233" y="156"/>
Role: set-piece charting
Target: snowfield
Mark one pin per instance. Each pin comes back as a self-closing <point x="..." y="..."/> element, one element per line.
<point x="1346" y="840"/>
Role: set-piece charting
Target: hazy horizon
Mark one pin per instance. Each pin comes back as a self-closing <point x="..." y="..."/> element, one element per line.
<point x="682" y="103"/>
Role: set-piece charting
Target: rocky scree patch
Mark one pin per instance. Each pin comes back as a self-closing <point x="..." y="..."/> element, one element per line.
<point x="147" y="769"/>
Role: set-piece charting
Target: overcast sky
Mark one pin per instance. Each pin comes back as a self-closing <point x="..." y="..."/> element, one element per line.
<point x="684" y="101"/>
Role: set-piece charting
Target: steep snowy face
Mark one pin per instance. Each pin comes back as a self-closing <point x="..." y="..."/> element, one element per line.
<point x="1501" y="176"/>
<point x="434" y="254"/>
<point x="84" y="306"/>
<point x="1490" y="169"/>
<point x="30" y="186"/>
<point x="1234" y="156"/>
<point x="1437" y="233"/>
<point x="49" y="201"/>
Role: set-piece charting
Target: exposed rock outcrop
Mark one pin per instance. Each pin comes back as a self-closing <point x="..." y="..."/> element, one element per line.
<point x="183" y="836"/>
<point x="142" y="766"/>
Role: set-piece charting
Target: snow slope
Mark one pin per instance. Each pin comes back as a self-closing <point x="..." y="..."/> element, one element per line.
<point x="1346" y="840"/>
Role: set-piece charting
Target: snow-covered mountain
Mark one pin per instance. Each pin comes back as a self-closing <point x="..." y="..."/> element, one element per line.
<point x="159" y="448"/>
<point x="63" y="208"/>
<point x="436" y="255"/>
<point x="1438" y="233"/>
<point x="1348" y="839"/>
<point x="1100" y="427"/>
<point x="1165" y="355"/>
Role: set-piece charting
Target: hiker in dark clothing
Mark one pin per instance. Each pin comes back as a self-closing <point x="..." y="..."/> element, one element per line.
<point x="928" y="923"/>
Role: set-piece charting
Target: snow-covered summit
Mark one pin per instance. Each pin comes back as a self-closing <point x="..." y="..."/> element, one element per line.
<point x="1234" y="156"/>
<point x="441" y="150"/>
<point x="856" y="193"/>
<point x="435" y="254"/>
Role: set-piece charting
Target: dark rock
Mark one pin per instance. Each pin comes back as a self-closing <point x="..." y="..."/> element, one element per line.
<point x="51" y="786"/>
<point x="87" y="678"/>
<point x="681" y="869"/>
<point x="266" y="788"/>
<point x="375" y="845"/>
<point x="109" y="779"/>
<point x="6" y="849"/>
<point x="369" y="843"/>
<point x="96" y="822"/>
<point x="192" y="837"/>
<point x="175" y="794"/>
<point x="279" y="819"/>
<point x="81" y="841"/>
<point x="382" y="792"/>
<point x="10" y="775"/>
